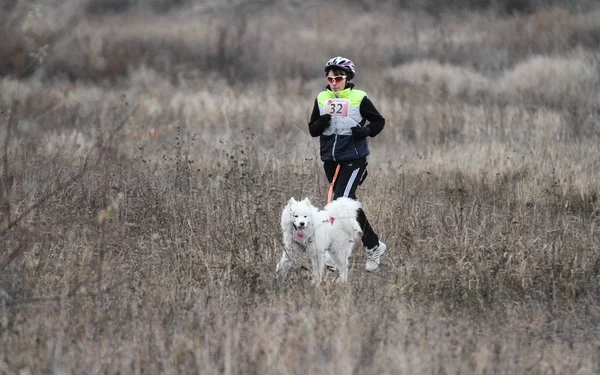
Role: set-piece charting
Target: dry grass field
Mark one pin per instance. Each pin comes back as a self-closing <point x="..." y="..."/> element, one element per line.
<point x="147" y="149"/>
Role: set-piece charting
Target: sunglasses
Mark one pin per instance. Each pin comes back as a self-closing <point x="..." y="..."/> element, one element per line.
<point x="335" y="79"/>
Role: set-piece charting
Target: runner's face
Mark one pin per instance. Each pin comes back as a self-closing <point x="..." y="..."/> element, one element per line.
<point x="337" y="84"/>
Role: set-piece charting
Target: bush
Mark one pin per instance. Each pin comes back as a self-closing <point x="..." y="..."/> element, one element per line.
<point x="102" y="7"/>
<point x="554" y="81"/>
<point x="443" y="80"/>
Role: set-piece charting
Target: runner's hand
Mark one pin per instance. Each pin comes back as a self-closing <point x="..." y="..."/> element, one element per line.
<point x="324" y="121"/>
<point x="359" y="133"/>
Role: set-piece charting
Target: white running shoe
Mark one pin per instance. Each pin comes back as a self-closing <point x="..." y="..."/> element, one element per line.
<point x="373" y="256"/>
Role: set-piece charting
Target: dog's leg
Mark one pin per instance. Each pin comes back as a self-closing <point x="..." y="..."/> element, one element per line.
<point x="283" y="265"/>
<point x="345" y="255"/>
<point x="321" y="264"/>
<point x="315" y="263"/>
<point x="339" y="255"/>
<point x="343" y="269"/>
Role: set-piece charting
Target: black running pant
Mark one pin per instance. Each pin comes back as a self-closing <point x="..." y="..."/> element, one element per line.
<point x="351" y="174"/>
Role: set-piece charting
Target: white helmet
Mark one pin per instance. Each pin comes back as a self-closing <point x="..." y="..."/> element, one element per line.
<point x="341" y="63"/>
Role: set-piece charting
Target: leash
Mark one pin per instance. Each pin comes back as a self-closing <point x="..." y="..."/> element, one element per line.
<point x="330" y="194"/>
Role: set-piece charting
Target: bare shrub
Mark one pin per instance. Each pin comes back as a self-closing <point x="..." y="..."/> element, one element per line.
<point x="16" y="44"/>
<point x="100" y="7"/>
<point x="442" y="80"/>
<point x="557" y="81"/>
<point x="29" y="29"/>
<point x="547" y="31"/>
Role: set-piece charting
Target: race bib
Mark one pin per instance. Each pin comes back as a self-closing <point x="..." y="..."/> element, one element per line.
<point x="337" y="107"/>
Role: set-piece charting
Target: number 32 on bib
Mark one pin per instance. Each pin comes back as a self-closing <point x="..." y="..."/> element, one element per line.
<point x="337" y="107"/>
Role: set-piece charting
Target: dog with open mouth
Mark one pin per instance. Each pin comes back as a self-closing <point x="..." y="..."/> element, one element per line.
<point x="319" y="233"/>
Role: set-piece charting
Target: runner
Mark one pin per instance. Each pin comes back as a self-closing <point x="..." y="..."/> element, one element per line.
<point x="344" y="117"/>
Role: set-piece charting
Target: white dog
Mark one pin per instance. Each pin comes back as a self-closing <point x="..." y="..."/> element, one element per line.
<point x="331" y="231"/>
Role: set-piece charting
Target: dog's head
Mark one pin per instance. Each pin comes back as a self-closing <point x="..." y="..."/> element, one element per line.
<point x="298" y="216"/>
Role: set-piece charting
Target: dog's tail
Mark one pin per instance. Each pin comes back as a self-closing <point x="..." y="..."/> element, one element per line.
<point x="344" y="210"/>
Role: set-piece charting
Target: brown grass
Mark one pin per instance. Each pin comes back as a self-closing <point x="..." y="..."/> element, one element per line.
<point x="139" y="207"/>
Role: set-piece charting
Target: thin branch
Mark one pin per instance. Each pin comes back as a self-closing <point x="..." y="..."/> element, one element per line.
<point x="12" y="256"/>
<point x="7" y="139"/>
<point x="7" y="180"/>
<point x="43" y="199"/>
<point x="60" y="188"/>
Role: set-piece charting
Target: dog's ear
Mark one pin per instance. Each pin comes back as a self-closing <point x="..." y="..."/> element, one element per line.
<point x="292" y="200"/>
<point x="306" y="200"/>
